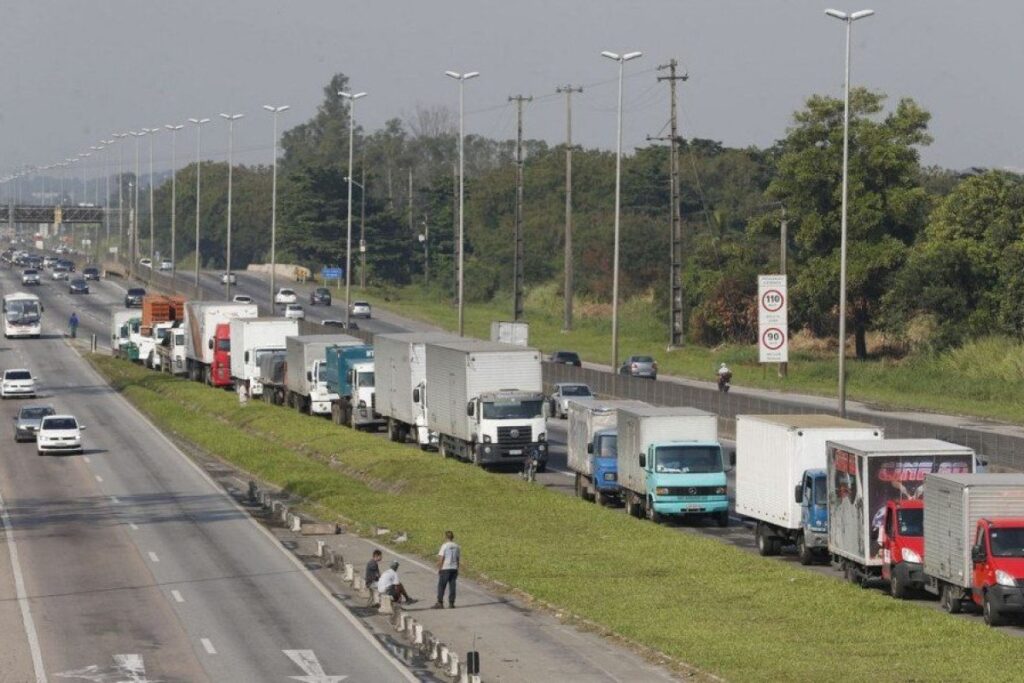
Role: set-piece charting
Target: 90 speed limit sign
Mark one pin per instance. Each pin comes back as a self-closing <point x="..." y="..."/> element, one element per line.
<point x="772" y="319"/>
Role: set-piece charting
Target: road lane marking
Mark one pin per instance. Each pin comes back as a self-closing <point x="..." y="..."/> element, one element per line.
<point x="114" y="500"/>
<point x="131" y="666"/>
<point x="177" y="596"/>
<point x="208" y="646"/>
<point x="99" y="478"/>
<point x="87" y="460"/>
<point x="133" y="526"/>
<point x="153" y="557"/>
<point x="19" y="585"/>
<point x="310" y="665"/>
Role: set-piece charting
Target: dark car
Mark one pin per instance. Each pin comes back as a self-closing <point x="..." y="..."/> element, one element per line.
<point x="320" y="295"/>
<point x="78" y="286"/>
<point x="27" y="422"/>
<point x="133" y="297"/>
<point x="566" y="358"/>
<point x="640" y="366"/>
<point x="66" y="265"/>
<point x="351" y="325"/>
<point x="91" y="273"/>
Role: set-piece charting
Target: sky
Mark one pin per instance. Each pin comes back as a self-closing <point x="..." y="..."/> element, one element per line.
<point x="72" y="72"/>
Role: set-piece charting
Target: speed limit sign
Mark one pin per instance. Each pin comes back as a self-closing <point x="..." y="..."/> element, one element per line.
<point x="772" y="319"/>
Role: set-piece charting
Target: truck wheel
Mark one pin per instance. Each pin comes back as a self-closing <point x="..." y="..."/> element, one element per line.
<point x="579" y="485"/>
<point x="722" y="518"/>
<point x="896" y="587"/>
<point x="992" y="617"/>
<point x="766" y="545"/>
<point x="600" y="498"/>
<point x="542" y="467"/>
<point x="652" y="514"/>
<point x="949" y="600"/>
<point x="350" y="413"/>
<point x="805" y="554"/>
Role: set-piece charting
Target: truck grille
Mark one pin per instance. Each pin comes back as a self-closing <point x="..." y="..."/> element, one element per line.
<point x="690" y="491"/>
<point x="515" y="436"/>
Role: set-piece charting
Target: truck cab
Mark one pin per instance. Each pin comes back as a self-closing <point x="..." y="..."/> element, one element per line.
<point x="220" y="344"/>
<point x="686" y="478"/>
<point x="902" y="542"/>
<point x="509" y="425"/>
<point x="604" y="458"/>
<point x="124" y="327"/>
<point x="812" y="494"/>
<point x="997" y="576"/>
<point x="363" y="382"/>
<point x="350" y="376"/>
<point x="320" y="396"/>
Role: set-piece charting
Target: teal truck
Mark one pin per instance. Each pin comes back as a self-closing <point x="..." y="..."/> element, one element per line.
<point x="350" y="377"/>
<point x="670" y="463"/>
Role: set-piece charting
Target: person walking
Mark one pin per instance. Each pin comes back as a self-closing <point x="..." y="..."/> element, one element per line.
<point x="448" y="558"/>
<point x="73" y="324"/>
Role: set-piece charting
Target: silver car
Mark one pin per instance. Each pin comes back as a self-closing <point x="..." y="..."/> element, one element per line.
<point x="563" y="393"/>
<point x="26" y="424"/>
<point x="640" y="366"/>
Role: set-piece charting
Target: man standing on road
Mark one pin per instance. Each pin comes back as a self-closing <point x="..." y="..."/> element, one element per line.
<point x="447" y="570"/>
<point x="372" y="574"/>
<point x="73" y="324"/>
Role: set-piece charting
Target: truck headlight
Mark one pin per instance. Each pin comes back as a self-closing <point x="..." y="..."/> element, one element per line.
<point x="362" y="404"/>
<point x="721" y="491"/>
<point x="911" y="556"/>
<point x="661" y="491"/>
<point x="610" y="476"/>
<point x="542" y="436"/>
<point x="542" y="447"/>
<point x="487" y="438"/>
<point x="1004" y="578"/>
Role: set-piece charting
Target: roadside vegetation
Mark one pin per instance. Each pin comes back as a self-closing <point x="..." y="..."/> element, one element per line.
<point x="706" y="603"/>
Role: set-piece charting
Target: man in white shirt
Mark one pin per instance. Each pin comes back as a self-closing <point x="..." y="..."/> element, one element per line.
<point x="448" y="558"/>
<point x="390" y="584"/>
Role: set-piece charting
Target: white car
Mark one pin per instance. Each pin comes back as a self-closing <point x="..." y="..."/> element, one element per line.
<point x="286" y="296"/>
<point x="166" y="265"/>
<point x="59" y="434"/>
<point x="146" y="263"/>
<point x="565" y="392"/>
<point x="242" y="299"/>
<point x="59" y="273"/>
<point x="17" y="383"/>
<point x="294" y="311"/>
<point x="226" y="278"/>
<point x="360" y="309"/>
<point x="30" y="276"/>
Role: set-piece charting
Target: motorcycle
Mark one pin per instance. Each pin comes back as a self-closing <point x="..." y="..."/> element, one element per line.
<point x="724" y="382"/>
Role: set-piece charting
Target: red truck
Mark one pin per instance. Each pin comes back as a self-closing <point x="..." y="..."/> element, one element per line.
<point x="902" y="541"/>
<point x="208" y="339"/>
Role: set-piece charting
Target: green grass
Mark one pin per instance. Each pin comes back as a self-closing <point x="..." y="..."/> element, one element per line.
<point x="984" y="378"/>
<point x="698" y="600"/>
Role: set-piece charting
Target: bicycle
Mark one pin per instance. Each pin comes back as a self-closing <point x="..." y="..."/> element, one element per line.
<point x="529" y="472"/>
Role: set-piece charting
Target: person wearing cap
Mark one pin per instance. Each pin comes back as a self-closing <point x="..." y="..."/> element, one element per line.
<point x="390" y="584"/>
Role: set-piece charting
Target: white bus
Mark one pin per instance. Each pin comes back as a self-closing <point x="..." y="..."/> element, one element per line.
<point x="23" y="315"/>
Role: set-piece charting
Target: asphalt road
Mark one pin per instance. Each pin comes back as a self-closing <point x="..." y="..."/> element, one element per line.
<point x="129" y="559"/>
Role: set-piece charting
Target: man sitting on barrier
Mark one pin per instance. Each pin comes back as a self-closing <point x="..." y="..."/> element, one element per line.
<point x="390" y="584"/>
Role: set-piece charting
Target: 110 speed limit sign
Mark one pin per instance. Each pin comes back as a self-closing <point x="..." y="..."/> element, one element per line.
<point x="772" y="319"/>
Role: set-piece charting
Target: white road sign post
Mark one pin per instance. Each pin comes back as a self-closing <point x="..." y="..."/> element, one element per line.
<point x="772" y="319"/>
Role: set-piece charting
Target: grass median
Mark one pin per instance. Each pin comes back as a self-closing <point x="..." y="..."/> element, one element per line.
<point x="698" y="600"/>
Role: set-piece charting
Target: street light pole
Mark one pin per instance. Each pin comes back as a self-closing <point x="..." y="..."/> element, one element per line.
<point x="199" y="137"/>
<point x="230" y="118"/>
<point x="133" y="245"/>
<point x="152" y="238"/>
<point x="106" y="196"/>
<point x="621" y="59"/>
<point x="351" y="97"/>
<point x="273" y="206"/>
<point x="120" y="191"/>
<point x="848" y="19"/>
<point x="174" y="193"/>
<point x="461" y="78"/>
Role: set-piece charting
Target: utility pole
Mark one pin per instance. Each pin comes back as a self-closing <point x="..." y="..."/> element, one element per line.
<point x="517" y="262"/>
<point x="455" y="223"/>
<point x="569" y="287"/>
<point x="362" y="222"/>
<point x="783" y="237"/>
<point x="676" y="323"/>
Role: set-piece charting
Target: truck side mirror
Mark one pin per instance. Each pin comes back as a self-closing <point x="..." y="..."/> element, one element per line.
<point x="798" y="493"/>
<point x="469" y="409"/>
<point x="732" y="459"/>
<point x="209" y="343"/>
<point x="590" y="448"/>
<point x="246" y="359"/>
<point x="416" y="395"/>
<point x="309" y="375"/>
<point x="643" y="460"/>
<point x="978" y="554"/>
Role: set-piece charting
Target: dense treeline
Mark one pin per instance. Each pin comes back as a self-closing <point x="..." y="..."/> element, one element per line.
<point x="934" y="257"/>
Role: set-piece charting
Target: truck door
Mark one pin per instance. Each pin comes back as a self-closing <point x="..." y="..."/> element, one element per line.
<point x="885" y="540"/>
<point x="979" y="570"/>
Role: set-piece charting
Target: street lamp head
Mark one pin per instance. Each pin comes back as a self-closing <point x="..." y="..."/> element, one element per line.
<point x="231" y="117"/>
<point x="453" y="74"/>
<point x="631" y="55"/>
<point x="351" y="96"/>
<point x="199" y="122"/>
<point x="172" y="128"/>
<point x="276" y="110"/>
<point x="471" y="74"/>
<point x="610" y="55"/>
<point x="463" y="76"/>
<point x="861" y="14"/>
<point x="842" y="16"/>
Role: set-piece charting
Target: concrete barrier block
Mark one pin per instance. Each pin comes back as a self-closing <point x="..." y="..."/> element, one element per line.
<point x="284" y="514"/>
<point x="386" y="606"/>
<point x="453" y="664"/>
<point x="445" y="655"/>
<point x="294" y="523"/>
<point x="374" y="598"/>
<point x="417" y="634"/>
<point x="434" y="653"/>
<point x="319" y="529"/>
<point x="349" y="572"/>
<point x="401" y="621"/>
<point x="320" y="546"/>
<point x="475" y="678"/>
<point x="381" y="531"/>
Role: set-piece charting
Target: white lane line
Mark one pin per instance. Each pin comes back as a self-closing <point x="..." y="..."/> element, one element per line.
<point x="208" y="646"/>
<point x="114" y="500"/>
<point x="86" y="459"/>
<point x="177" y="596"/>
<point x="133" y="526"/>
<point x="19" y="585"/>
<point x="99" y="478"/>
<point x="153" y="557"/>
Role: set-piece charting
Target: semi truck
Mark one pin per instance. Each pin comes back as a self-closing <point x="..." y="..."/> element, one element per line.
<point x="591" y="446"/>
<point x="670" y="463"/>
<point x="306" y="373"/>
<point x="208" y="339"/>
<point x="349" y="374"/>
<point x="121" y="329"/>
<point x="251" y="339"/>
<point x="974" y="542"/>
<point x="863" y="477"/>
<point x="485" y="400"/>
<point x="400" y="369"/>
<point x="780" y="478"/>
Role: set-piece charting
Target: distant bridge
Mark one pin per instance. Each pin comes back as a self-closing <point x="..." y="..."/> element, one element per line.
<point x="53" y="214"/>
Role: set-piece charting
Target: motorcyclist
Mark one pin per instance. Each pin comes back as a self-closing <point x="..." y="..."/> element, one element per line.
<point x="73" y="324"/>
<point x="724" y="377"/>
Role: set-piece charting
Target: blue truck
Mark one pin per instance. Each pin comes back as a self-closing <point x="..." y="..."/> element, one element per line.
<point x="591" y="446"/>
<point x="349" y="376"/>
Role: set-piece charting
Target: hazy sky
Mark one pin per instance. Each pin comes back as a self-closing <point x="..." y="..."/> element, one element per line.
<point x="75" y="71"/>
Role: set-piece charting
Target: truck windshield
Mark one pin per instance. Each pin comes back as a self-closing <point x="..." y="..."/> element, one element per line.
<point x="513" y="409"/>
<point x="820" y="491"/>
<point x="576" y="390"/>
<point x="224" y="344"/>
<point x="263" y="353"/>
<point x="911" y="522"/>
<point x="608" y="446"/>
<point x="1008" y="542"/>
<point x="688" y="459"/>
<point x="365" y="379"/>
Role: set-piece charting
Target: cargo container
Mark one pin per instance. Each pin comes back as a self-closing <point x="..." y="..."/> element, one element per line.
<point x="591" y="446"/>
<point x="271" y="367"/>
<point x="780" y="478"/>
<point x="510" y="332"/>
<point x="863" y="476"/>
<point x="485" y="400"/>
<point x="208" y="339"/>
<point x="670" y="463"/>
<point x="305" y="377"/>
<point x="251" y="339"/>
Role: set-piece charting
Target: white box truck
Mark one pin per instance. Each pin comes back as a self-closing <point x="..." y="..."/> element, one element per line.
<point x="485" y="400"/>
<point x="864" y="477"/>
<point x="305" y="379"/>
<point x="208" y="339"/>
<point x="670" y="463"/>
<point x="591" y="445"/>
<point x="510" y="332"/>
<point x="974" y="542"/>
<point x="401" y="380"/>
<point x="251" y="339"/>
<point x="780" y="478"/>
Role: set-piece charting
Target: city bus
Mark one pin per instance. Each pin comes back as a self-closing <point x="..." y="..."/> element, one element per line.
<point x="23" y="315"/>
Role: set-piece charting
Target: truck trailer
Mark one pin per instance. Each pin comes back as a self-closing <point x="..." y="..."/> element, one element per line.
<point x="670" y="463"/>
<point x="305" y="377"/>
<point x="863" y="477"/>
<point x="974" y="542"/>
<point x="486" y="402"/>
<point x="780" y="478"/>
<point x="591" y="446"/>
<point x="271" y="368"/>
<point x="253" y="338"/>
<point x="208" y="339"/>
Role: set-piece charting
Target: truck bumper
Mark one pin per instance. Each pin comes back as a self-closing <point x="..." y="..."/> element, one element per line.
<point x="1006" y="599"/>
<point x="320" y="407"/>
<point x="487" y="453"/>
<point x="425" y="437"/>
<point x="816" y="540"/>
<point x="909" y="574"/>
<point x="685" y="507"/>
<point x="255" y="387"/>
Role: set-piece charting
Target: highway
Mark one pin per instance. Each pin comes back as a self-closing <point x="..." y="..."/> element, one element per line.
<point x="129" y="563"/>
